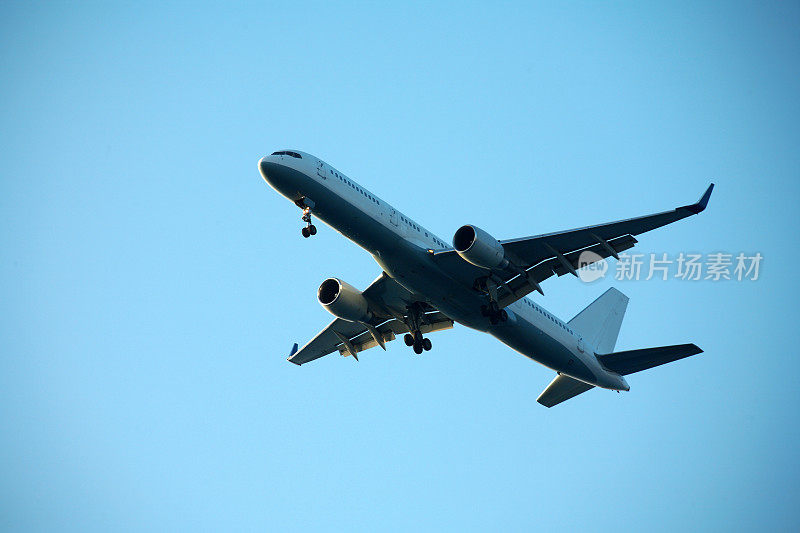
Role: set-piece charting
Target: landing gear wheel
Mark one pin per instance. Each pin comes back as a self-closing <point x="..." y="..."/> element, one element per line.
<point x="426" y="344"/>
<point x="494" y="319"/>
<point x="310" y="229"/>
<point x="418" y="348"/>
<point x="408" y="339"/>
<point x="418" y="337"/>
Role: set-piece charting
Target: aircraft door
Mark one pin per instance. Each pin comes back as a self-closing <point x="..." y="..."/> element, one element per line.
<point x="321" y="170"/>
<point x="393" y="218"/>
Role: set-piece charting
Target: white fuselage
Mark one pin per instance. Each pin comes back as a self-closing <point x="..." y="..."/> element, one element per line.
<point x="403" y="248"/>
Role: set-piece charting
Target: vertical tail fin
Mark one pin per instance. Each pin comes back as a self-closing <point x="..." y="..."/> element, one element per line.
<point x="600" y="322"/>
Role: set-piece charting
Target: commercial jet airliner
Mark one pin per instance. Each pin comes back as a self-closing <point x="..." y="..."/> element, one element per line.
<point x="480" y="282"/>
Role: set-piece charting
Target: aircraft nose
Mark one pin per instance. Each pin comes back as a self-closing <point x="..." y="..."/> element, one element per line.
<point x="270" y="171"/>
<point x="275" y="174"/>
<point x="263" y="167"/>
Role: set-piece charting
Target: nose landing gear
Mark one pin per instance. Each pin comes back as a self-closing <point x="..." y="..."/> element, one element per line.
<point x="310" y="228"/>
<point x="306" y="204"/>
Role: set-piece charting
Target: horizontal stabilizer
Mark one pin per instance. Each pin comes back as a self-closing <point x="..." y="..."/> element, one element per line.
<point x="562" y="389"/>
<point x="625" y="363"/>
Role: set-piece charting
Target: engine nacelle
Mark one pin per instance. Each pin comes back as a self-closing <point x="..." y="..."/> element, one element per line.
<point x="479" y="248"/>
<point x="344" y="301"/>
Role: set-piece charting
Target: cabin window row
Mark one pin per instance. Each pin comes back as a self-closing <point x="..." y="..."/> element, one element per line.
<point x="404" y="219"/>
<point x="355" y="187"/>
<point x="548" y="315"/>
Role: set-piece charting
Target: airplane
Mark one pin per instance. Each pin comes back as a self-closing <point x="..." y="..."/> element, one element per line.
<point x="426" y="285"/>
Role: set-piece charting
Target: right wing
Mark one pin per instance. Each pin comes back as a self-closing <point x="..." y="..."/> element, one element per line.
<point x="351" y="338"/>
<point x="542" y="256"/>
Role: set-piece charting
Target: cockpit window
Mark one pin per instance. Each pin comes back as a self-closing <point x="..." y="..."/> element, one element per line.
<point x="286" y="152"/>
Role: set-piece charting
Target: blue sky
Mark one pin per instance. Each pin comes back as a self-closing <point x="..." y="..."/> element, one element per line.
<point x="152" y="283"/>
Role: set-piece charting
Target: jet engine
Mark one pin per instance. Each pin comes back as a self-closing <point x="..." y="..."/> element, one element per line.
<point x="344" y="301"/>
<point x="479" y="248"/>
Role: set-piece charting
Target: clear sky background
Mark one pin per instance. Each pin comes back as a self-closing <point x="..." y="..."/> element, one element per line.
<point x="152" y="284"/>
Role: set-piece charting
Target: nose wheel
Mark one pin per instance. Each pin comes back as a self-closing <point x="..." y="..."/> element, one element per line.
<point x="310" y="228"/>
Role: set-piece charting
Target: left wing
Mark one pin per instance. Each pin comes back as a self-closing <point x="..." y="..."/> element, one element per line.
<point x="542" y="256"/>
<point x="351" y="338"/>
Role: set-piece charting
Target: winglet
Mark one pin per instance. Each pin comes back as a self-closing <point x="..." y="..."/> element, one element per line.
<point x="291" y="354"/>
<point x="700" y="206"/>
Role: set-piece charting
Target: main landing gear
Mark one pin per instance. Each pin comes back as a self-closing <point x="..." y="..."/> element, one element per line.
<point x="419" y="342"/>
<point x="415" y="338"/>
<point x="310" y="228"/>
<point x="494" y="313"/>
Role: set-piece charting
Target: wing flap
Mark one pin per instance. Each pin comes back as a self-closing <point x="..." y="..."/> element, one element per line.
<point x="390" y="330"/>
<point x="326" y="341"/>
<point x="561" y="389"/>
<point x="519" y="286"/>
<point x="577" y="258"/>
